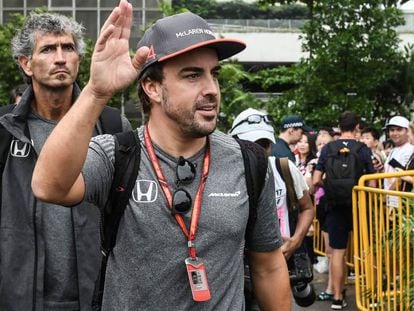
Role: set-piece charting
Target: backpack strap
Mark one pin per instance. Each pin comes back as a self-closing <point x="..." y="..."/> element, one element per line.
<point x="356" y="147"/>
<point x="282" y="165"/>
<point x="110" y="120"/>
<point x="255" y="164"/>
<point x="333" y="148"/>
<point x="126" y="167"/>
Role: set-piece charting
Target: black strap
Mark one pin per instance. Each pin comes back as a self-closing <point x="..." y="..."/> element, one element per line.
<point x="282" y="165"/>
<point x="255" y="164"/>
<point x="126" y="167"/>
<point x="110" y="120"/>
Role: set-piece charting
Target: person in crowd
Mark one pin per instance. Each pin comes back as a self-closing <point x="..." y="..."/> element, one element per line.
<point x="321" y="209"/>
<point x="49" y="255"/>
<point x="16" y="94"/>
<point x="306" y="161"/>
<point x="306" y="148"/>
<point x="291" y="132"/>
<point x="263" y="134"/>
<point x="339" y="216"/>
<point x="336" y="133"/>
<point x="324" y="130"/>
<point x="177" y="65"/>
<point x="371" y="137"/>
<point x="407" y="181"/>
<point x="321" y="140"/>
<point x="398" y="131"/>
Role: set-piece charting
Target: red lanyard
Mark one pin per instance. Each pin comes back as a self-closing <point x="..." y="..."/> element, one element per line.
<point x="195" y="215"/>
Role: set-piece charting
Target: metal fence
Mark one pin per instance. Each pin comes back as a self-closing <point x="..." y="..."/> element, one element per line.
<point x="383" y="245"/>
<point x="256" y="25"/>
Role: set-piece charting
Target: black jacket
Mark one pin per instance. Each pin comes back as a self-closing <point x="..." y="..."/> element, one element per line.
<point x="22" y="245"/>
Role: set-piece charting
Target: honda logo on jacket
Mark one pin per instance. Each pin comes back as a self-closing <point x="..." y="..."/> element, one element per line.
<point x="19" y="149"/>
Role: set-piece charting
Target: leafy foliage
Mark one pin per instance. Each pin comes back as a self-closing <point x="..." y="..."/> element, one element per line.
<point x="9" y="73"/>
<point x="211" y="9"/>
<point x="354" y="60"/>
<point x="234" y="99"/>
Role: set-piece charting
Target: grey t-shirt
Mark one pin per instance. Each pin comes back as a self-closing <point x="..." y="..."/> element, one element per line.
<point x="60" y="268"/>
<point x="146" y="270"/>
<point x="60" y="276"/>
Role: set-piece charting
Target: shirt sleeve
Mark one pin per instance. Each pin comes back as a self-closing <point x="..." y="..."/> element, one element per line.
<point x="265" y="235"/>
<point x="98" y="169"/>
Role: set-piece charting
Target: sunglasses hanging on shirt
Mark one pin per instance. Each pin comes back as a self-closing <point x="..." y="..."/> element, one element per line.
<point x="185" y="174"/>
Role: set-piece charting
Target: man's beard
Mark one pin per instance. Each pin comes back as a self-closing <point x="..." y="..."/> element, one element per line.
<point x="186" y="119"/>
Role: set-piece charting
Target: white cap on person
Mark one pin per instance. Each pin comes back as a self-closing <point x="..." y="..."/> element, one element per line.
<point x="253" y="131"/>
<point x="398" y="121"/>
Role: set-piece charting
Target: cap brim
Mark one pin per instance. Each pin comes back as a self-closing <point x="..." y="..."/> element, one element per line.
<point x="397" y="125"/>
<point x="256" y="135"/>
<point x="225" y="48"/>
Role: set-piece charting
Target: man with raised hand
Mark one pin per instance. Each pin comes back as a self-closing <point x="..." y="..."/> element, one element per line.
<point x="160" y="241"/>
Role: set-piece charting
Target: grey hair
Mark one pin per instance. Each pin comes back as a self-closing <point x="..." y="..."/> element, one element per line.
<point x="24" y="41"/>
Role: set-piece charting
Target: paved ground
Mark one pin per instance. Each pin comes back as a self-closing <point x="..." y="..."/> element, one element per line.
<point x="319" y="282"/>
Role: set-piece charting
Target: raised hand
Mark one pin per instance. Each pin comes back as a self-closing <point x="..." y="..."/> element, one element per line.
<point x="111" y="66"/>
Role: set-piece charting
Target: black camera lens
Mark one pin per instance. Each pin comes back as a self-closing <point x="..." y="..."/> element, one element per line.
<point x="304" y="294"/>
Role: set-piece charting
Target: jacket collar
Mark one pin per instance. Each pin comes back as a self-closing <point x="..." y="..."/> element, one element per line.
<point x="15" y="121"/>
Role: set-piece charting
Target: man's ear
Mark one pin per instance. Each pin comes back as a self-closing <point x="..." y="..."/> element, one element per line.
<point x="152" y="89"/>
<point x="26" y="65"/>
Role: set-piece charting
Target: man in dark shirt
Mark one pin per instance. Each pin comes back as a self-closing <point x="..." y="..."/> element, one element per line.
<point x="291" y="132"/>
<point x="339" y="216"/>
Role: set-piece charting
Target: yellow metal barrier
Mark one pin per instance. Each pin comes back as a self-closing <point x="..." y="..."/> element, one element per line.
<point x="383" y="239"/>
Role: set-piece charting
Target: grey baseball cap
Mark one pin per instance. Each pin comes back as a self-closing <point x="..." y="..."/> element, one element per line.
<point x="177" y="34"/>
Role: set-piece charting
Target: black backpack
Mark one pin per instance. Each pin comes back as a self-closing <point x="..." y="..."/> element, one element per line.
<point x="343" y="168"/>
<point x="126" y="168"/>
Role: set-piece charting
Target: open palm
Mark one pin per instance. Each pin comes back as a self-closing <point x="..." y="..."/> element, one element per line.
<point x="111" y="67"/>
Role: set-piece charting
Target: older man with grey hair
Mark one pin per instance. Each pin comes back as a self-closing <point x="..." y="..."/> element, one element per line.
<point x="49" y="255"/>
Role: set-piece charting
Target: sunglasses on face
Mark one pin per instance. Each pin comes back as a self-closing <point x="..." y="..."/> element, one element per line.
<point x="185" y="174"/>
<point x="255" y="118"/>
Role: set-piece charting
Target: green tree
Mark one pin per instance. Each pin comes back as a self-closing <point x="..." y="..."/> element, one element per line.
<point x="9" y="73"/>
<point x="354" y="60"/>
<point x="234" y="98"/>
<point x="237" y="9"/>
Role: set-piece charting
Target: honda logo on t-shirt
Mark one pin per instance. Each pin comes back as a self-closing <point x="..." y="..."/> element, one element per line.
<point x="146" y="191"/>
<point x="19" y="149"/>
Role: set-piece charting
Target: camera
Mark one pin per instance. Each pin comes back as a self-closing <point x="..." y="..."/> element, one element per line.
<point x="301" y="276"/>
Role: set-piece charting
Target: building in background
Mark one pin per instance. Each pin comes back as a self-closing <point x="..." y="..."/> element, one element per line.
<point x="91" y="13"/>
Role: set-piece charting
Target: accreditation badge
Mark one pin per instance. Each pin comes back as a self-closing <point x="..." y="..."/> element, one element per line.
<point x="197" y="277"/>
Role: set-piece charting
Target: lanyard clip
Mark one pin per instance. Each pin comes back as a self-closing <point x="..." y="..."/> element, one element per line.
<point x="191" y="249"/>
